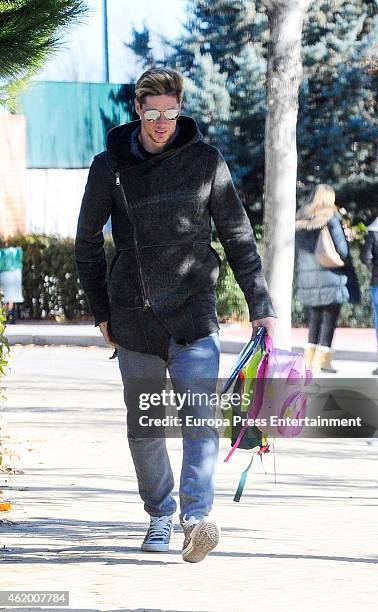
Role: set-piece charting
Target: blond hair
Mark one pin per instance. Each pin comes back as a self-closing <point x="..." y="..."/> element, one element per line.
<point x="159" y="81"/>
<point x="322" y="199"/>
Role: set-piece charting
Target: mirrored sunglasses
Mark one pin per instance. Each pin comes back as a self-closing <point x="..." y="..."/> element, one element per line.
<point x="154" y="115"/>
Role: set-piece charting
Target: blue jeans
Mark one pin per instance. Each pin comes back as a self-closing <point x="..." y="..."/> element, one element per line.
<point x="374" y="301"/>
<point x="186" y="363"/>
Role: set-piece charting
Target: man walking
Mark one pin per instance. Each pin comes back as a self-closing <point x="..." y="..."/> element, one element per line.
<point x="162" y="185"/>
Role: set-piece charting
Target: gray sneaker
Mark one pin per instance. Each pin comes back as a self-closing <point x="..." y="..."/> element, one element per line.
<point x="158" y="534"/>
<point x="201" y="537"/>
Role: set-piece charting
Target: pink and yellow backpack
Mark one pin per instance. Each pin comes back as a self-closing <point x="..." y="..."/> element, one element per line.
<point x="274" y="385"/>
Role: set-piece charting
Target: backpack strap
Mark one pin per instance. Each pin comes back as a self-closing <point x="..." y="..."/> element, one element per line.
<point x="242" y="481"/>
<point x="243" y="478"/>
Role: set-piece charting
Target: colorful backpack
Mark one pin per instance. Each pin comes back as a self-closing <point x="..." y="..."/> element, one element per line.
<point x="277" y="391"/>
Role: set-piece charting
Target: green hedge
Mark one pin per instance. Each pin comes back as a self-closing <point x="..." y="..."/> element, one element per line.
<point x="4" y="350"/>
<point x="52" y="289"/>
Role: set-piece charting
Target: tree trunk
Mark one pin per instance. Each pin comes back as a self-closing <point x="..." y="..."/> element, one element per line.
<point x="284" y="73"/>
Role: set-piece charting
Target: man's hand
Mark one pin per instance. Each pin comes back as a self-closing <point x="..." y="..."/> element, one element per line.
<point x="104" y="330"/>
<point x="268" y="322"/>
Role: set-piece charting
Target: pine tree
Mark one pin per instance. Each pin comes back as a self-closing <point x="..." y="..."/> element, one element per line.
<point x="29" y="31"/>
<point x="338" y="130"/>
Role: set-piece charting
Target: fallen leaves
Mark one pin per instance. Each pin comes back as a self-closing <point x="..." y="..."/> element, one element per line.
<point x="10" y="470"/>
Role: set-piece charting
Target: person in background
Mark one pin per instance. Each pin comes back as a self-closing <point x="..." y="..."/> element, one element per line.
<point x="322" y="289"/>
<point x="369" y="256"/>
<point x="11" y="264"/>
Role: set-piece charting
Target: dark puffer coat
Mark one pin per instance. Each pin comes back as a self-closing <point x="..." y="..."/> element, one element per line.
<point x="319" y="286"/>
<point x="369" y="251"/>
<point x="163" y="278"/>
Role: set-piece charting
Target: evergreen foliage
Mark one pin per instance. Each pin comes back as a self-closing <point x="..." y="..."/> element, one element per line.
<point x="337" y="124"/>
<point x="140" y="45"/>
<point x="29" y="31"/>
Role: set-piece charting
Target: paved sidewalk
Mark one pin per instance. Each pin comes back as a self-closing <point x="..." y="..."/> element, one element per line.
<point x="350" y="343"/>
<point x="308" y="543"/>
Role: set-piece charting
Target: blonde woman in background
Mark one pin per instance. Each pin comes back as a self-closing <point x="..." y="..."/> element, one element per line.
<point x="322" y="289"/>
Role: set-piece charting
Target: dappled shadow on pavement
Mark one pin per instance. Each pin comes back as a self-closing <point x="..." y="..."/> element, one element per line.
<point x="84" y="554"/>
<point x="84" y="533"/>
<point x="73" y="490"/>
<point x="373" y="560"/>
<point x="73" y="530"/>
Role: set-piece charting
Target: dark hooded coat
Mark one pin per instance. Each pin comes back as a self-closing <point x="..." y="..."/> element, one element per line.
<point x="163" y="277"/>
<point x="369" y="251"/>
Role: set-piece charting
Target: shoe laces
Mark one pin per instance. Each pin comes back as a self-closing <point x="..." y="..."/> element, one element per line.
<point x="160" y="527"/>
<point x="190" y="522"/>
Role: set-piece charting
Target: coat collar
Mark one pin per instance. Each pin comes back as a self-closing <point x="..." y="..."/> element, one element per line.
<point x="119" y="140"/>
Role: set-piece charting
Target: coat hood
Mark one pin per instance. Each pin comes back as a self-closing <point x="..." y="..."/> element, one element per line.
<point x="118" y="140"/>
<point x="308" y="218"/>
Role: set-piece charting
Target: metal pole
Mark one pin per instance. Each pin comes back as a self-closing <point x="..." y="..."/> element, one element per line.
<point x="106" y="40"/>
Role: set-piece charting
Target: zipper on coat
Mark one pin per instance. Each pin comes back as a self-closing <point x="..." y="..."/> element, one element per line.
<point x="146" y="302"/>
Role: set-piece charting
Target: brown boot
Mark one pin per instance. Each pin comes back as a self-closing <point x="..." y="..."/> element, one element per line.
<point x="309" y="353"/>
<point x="322" y="360"/>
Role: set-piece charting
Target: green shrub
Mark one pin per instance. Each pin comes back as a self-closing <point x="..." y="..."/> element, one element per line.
<point x="51" y="287"/>
<point x="231" y="304"/>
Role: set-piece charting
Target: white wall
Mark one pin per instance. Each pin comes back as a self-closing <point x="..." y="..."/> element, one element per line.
<point x="53" y="199"/>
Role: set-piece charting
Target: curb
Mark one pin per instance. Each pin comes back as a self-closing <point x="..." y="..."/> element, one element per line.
<point x="55" y="340"/>
<point x="85" y="340"/>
